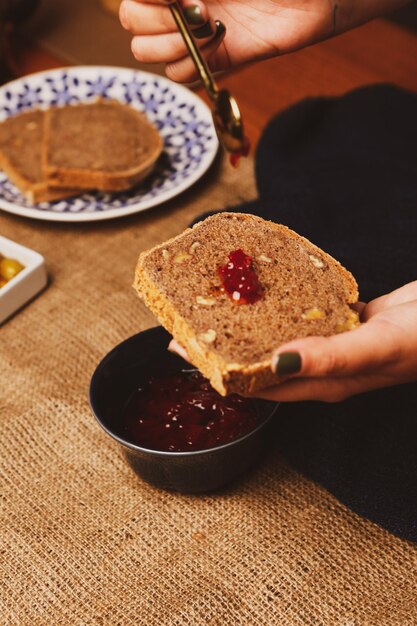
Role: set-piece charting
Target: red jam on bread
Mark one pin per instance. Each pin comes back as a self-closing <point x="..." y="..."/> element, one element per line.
<point x="239" y="279"/>
<point x="180" y="411"/>
<point x="243" y="152"/>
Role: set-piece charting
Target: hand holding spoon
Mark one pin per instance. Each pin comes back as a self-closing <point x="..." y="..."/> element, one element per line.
<point x="226" y="115"/>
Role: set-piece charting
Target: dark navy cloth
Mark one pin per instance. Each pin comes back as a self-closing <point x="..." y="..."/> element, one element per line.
<point x="343" y="173"/>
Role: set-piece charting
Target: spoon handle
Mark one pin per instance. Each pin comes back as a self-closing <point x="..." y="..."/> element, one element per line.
<point x="199" y="61"/>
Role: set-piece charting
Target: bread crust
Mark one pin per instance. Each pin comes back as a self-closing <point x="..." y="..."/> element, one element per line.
<point x="103" y="181"/>
<point x="224" y="377"/>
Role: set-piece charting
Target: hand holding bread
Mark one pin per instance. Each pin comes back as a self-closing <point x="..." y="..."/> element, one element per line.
<point x="380" y="353"/>
<point x="64" y="151"/>
<point x="234" y="286"/>
<point x="307" y="305"/>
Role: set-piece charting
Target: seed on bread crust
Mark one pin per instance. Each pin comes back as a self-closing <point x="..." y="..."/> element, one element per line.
<point x="233" y="367"/>
<point x="194" y="247"/>
<point x="264" y="258"/>
<point x="313" y="314"/>
<point x="165" y="254"/>
<point x="181" y="257"/>
<point x="349" y="324"/>
<point x="209" y="336"/>
<point x="205" y="301"/>
<point x="316" y="261"/>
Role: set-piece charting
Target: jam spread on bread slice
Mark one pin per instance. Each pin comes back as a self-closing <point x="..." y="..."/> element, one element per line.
<point x="180" y="411"/>
<point x="239" y="279"/>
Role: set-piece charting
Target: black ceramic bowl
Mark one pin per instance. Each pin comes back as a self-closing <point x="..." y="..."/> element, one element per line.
<point x="113" y="382"/>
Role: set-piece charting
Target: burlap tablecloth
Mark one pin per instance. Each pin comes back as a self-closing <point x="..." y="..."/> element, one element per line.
<point x="85" y="542"/>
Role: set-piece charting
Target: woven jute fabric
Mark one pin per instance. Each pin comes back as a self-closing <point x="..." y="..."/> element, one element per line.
<point x="84" y="542"/>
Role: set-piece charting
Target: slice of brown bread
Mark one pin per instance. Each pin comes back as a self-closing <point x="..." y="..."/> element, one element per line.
<point x="103" y="145"/>
<point x="305" y="292"/>
<point x="20" y="157"/>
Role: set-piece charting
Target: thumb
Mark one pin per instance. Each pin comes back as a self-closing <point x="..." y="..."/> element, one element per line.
<point x="354" y="352"/>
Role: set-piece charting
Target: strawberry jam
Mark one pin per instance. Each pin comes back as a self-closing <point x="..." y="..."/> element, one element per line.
<point x="243" y="152"/>
<point x="239" y="278"/>
<point x="180" y="411"/>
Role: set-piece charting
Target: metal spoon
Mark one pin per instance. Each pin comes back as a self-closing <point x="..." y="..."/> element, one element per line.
<point x="226" y="115"/>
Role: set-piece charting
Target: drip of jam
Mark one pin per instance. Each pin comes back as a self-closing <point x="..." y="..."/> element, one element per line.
<point x="180" y="411"/>
<point x="239" y="278"/>
<point x="243" y="152"/>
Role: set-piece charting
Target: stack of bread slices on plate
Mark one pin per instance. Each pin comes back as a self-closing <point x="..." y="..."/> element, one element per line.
<point x="63" y="151"/>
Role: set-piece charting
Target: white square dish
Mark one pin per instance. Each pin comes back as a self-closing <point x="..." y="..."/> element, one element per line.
<point x="29" y="282"/>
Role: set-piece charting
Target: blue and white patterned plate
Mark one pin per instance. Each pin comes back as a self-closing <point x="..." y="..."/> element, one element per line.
<point x="183" y="120"/>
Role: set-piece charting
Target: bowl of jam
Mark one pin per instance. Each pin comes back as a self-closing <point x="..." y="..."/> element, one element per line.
<point x="174" y="429"/>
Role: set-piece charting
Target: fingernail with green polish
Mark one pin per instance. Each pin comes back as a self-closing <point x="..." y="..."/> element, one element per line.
<point x="193" y="15"/>
<point x="220" y="29"/>
<point x="204" y="31"/>
<point x="288" y="363"/>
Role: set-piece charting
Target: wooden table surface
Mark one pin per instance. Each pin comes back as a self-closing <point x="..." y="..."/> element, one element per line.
<point x="377" y="52"/>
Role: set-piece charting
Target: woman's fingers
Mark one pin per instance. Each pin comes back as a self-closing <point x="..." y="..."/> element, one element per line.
<point x="325" y="390"/>
<point x="359" y="307"/>
<point x="158" y="48"/>
<point x="170" y="48"/>
<point x="356" y="352"/>
<point x="167" y="48"/>
<point x="402" y="295"/>
<point x="183" y="70"/>
<point x="157" y="40"/>
<point x="146" y="18"/>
